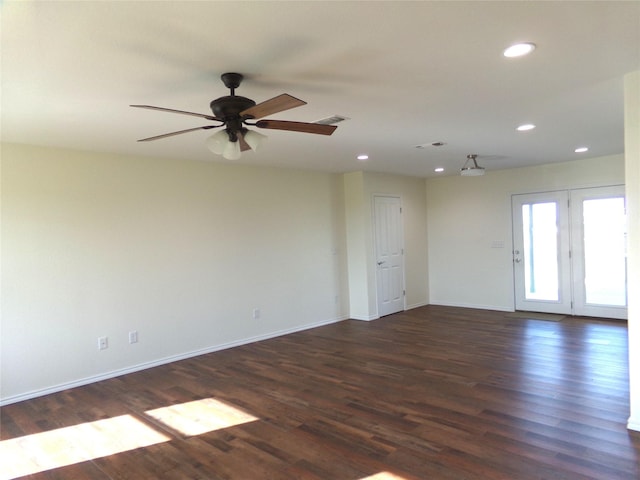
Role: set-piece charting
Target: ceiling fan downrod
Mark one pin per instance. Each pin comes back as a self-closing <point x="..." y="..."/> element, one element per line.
<point x="228" y="108"/>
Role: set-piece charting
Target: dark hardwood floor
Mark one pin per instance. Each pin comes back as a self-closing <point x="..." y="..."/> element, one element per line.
<point x="432" y="393"/>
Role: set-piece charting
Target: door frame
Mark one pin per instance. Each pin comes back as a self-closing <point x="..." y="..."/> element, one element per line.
<point x="401" y="263"/>
<point x="569" y="249"/>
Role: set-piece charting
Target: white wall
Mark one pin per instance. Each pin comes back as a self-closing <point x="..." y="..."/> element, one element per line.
<point x="98" y="245"/>
<point x="632" y="172"/>
<point x="360" y="188"/>
<point x="466" y="215"/>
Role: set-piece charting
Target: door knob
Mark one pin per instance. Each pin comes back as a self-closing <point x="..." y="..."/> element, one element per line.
<point x="380" y="262"/>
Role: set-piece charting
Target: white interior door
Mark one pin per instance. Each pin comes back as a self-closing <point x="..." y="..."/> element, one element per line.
<point x="569" y="252"/>
<point x="389" y="254"/>
<point x="542" y="269"/>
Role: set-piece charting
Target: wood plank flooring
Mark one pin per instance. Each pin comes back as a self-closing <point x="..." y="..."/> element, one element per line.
<point x="432" y="393"/>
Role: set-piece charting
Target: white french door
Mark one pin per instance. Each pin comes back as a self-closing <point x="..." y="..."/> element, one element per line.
<point x="541" y="249"/>
<point x="598" y="229"/>
<point x="569" y="252"/>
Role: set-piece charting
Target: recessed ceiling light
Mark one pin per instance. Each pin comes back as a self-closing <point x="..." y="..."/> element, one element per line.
<point x="439" y="170"/>
<point x="581" y="150"/>
<point x="363" y="157"/>
<point x="519" y="49"/>
<point x="526" y="127"/>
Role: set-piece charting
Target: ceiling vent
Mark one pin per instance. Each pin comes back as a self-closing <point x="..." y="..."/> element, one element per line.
<point x="431" y="144"/>
<point x="332" y="120"/>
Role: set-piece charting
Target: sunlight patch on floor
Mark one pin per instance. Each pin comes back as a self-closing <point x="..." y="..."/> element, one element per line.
<point x="79" y="443"/>
<point x="200" y="416"/>
<point x="66" y="446"/>
<point x="384" y="476"/>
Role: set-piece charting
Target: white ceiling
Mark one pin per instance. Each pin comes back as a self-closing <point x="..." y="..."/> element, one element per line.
<point x="405" y="73"/>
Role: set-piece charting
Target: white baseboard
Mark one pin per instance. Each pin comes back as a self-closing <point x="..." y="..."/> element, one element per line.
<point x="161" y="361"/>
<point x="633" y="424"/>
<point x="416" y="305"/>
<point x="500" y="308"/>
<point x="366" y="318"/>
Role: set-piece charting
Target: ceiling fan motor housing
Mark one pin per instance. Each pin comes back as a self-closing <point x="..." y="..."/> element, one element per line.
<point x="228" y="109"/>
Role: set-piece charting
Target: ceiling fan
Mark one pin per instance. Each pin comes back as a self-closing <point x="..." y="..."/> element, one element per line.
<point x="235" y="113"/>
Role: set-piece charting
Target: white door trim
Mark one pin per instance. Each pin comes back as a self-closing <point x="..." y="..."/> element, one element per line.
<point x="388" y="242"/>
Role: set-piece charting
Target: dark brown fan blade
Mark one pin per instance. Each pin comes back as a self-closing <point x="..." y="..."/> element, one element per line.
<point x="165" y="135"/>
<point x="297" y="126"/>
<point x="171" y="110"/>
<point x="273" y="105"/>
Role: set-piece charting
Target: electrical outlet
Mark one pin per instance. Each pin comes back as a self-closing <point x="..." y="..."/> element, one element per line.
<point x="256" y="313"/>
<point x="103" y="343"/>
<point x="133" y="336"/>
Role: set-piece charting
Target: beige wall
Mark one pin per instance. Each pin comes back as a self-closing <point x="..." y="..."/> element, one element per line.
<point x="99" y="245"/>
<point x="181" y="252"/>
<point x="360" y="189"/>
<point x="466" y="215"/>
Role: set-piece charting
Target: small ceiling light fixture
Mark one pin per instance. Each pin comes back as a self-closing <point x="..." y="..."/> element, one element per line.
<point x="526" y="127"/>
<point x="473" y="170"/>
<point x="581" y="150"/>
<point x="439" y="169"/>
<point x="519" y="50"/>
<point x="363" y="156"/>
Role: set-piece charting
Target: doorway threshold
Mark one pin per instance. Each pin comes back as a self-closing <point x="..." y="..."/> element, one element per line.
<point x="550" y="317"/>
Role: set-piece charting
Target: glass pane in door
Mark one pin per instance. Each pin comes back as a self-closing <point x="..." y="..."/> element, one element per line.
<point x="540" y="253"/>
<point x="604" y="251"/>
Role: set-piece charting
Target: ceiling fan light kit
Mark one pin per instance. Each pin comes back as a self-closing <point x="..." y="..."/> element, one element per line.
<point x="217" y="142"/>
<point x="254" y="139"/>
<point x="473" y="170"/>
<point x="234" y="112"/>
<point x="232" y="151"/>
